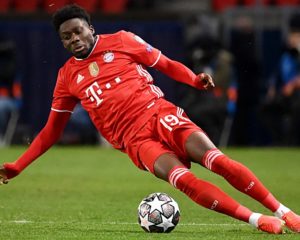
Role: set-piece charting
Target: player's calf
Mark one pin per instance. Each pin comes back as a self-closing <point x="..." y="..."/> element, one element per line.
<point x="239" y="176"/>
<point x="211" y="197"/>
<point x="206" y="194"/>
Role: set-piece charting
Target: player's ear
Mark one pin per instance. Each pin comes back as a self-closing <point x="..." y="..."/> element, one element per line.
<point x="64" y="43"/>
<point x="92" y="29"/>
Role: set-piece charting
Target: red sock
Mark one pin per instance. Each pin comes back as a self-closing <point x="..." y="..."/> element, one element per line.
<point x="206" y="194"/>
<point x="239" y="177"/>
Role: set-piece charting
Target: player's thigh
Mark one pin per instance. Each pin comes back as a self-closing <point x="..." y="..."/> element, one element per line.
<point x="164" y="164"/>
<point x="158" y="159"/>
<point x="197" y="144"/>
<point x="184" y="137"/>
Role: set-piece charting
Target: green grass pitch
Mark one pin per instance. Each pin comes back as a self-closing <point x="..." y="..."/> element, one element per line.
<point x="93" y="193"/>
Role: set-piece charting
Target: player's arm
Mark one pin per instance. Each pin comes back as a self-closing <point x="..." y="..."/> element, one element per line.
<point x="43" y="141"/>
<point x="149" y="56"/>
<point x="181" y="73"/>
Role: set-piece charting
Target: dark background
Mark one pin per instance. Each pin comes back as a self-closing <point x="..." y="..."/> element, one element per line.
<point x="166" y="25"/>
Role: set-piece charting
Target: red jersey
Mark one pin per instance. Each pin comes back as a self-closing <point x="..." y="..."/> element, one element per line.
<point x="112" y="85"/>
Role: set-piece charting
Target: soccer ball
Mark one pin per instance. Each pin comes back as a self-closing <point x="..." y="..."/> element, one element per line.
<point x="159" y="213"/>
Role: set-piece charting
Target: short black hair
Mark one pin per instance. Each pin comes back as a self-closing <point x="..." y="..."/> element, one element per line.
<point x="294" y="23"/>
<point x="68" y="12"/>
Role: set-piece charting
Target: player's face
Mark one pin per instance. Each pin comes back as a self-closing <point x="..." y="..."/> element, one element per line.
<point x="294" y="40"/>
<point x="77" y="37"/>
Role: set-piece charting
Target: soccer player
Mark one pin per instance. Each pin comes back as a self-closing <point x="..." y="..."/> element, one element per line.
<point x="106" y="74"/>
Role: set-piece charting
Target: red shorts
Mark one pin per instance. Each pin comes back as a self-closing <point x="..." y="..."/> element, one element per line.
<point x="166" y="132"/>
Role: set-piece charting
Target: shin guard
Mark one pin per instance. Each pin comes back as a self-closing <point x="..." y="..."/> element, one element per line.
<point x="239" y="177"/>
<point x="206" y="194"/>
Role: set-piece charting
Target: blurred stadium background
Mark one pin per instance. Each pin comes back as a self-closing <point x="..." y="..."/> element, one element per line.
<point x="240" y="42"/>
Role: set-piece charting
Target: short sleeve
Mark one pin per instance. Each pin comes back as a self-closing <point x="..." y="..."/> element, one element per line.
<point x="62" y="101"/>
<point x="141" y="51"/>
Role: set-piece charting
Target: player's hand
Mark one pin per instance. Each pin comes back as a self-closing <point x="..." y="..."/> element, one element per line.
<point x="3" y="176"/>
<point x="204" y="81"/>
<point x="291" y="87"/>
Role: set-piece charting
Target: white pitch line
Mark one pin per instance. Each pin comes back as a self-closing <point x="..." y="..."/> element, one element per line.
<point x="121" y="223"/>
<point x="182" y="224"/>
<point x="21" y="221"/>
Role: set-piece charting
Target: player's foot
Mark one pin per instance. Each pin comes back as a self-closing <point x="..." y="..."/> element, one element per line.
<point x="270" y="224"/>
<point x="3" y="176"/>
<point x="292" y="221"/>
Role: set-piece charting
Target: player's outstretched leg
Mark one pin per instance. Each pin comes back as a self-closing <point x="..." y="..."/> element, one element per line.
<point x="169" y="168"/>
<point x="245" y="181"/>
<point x="211" y="197"/>
<point x="200" y="147"/>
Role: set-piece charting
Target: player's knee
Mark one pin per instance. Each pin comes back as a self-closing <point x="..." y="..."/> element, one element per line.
<point x="175" y="174"/>
<point x="195" y="188"/>
<point x="164" y="164"/>
<point x="211" y="158"/>
<point x="182" y="179"/>
<point x="219" y="163"/>
<point x="197" y="145"/>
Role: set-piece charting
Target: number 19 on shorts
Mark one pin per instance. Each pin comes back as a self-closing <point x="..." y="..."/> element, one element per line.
<point x="170" y="121"/>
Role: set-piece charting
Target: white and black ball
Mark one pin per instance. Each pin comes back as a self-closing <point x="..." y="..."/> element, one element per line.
<point x="158" y="213"/>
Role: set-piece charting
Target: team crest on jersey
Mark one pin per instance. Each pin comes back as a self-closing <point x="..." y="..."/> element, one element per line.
<point x="94" y="69"/>
<point x="140" y="40"/>
<point x="108" y="56"/>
